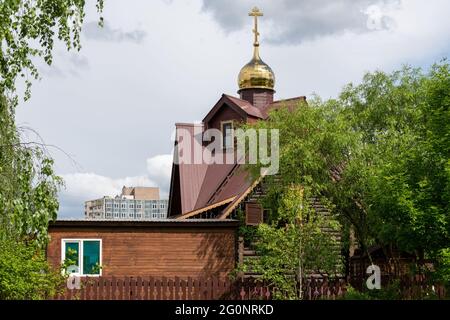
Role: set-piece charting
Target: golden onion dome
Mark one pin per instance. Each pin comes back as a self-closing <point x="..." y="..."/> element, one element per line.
<point x="256" y="74"/>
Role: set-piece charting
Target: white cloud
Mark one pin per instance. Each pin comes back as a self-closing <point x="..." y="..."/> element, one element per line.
<point x="80" y="187"/>
<point x="293" y="21"/>
<point x="93" y="31"/>
<point x="159" y="170"/>
<point x="123" y="101"/>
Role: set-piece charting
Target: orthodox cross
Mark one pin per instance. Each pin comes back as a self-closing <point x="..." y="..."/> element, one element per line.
<point x="256" y="13"/>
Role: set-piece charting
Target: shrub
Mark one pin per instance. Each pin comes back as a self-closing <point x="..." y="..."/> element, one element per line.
<point x="25" y="274"/>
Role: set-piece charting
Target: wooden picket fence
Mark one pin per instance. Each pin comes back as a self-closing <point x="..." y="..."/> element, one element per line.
<point x="313" y="289"/>
<point x="150" y="288"/>
<point x="147" y="288"/>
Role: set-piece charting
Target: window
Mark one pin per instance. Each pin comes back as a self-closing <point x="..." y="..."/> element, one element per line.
<point x="131" y="206"/>
<point x="253" y="214"/>
<point x="124" y="205"/>
<point x="161" y="205"/>
<point x="83" y="256"/>
<point x="116" y="205"/>
<point x="154" y="206"/>
<point x="227" y="134"/>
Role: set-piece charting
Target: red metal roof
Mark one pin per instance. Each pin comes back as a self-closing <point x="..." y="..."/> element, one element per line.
<point x="289" y="103"/>
<point x="191" y="174"/>
<point x="247" y="107"/>
<point x="204" y="185"/>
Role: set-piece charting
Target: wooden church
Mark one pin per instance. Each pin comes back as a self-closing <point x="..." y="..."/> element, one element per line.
<point x="216" y="190"/>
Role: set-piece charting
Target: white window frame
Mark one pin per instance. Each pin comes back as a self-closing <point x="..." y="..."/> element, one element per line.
<point x="222" y="123"/>
<point x="80" y="246"/>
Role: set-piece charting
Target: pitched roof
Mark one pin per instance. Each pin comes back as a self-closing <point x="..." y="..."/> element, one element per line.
<point x="203" y="209"/>
<point x="214" y="177"/>
<point x="191" y="175"/>
<point x="243" y="107"/>
<point x="207" y="186"/>
<point x="237" y="181"/>
<point x="247" y="107"/>
<point x="290" y="103"/>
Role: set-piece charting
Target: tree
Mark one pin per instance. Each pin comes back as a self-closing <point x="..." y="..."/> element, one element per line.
<point x="294" y="245"/>
<point x="402" y="158"/>
<point x="378" y="156"/>
<point x="28" y="184"/>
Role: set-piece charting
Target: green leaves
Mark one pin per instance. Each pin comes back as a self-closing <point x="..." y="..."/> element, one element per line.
<point x="27" y="31"/>
<point x="379" y="154"/>
<point x="296" y="243"/>
<point x="28" y="184"/>
<point x="25" y="274"/>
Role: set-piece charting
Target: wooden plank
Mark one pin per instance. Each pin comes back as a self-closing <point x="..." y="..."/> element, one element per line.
<point x="84" y="290"/>
<point x="95" y="290"/>
<point x="170" y="285"/>
<point x="190" y="289"/>
<point x="146" y="288"/>
<point x="214" y="288"/>
<point x="183" y="285"/>
<point x="164" y="288"/>
<point x="177" y="288"/>
<point x="158" y="286"/>
<point x="139" y="288"/>
<point x="151" y="289"/>
<point x="107" y="286"/>
<point x="196" y="289"/>
<point x="121" y="287"/>
<point x="113" y="294"/>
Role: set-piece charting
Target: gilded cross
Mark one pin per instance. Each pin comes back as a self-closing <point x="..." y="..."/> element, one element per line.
<point x="256" y="13"/>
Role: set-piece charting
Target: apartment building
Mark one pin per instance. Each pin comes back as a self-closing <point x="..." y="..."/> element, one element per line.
<point x="134" y="203"/>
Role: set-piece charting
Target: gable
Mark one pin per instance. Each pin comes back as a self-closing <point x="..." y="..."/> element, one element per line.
<point x="224" y="105"/>
<point x="224" y="113"/>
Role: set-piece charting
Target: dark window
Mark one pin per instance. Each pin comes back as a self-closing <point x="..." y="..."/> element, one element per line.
<point x="227" y="132"/>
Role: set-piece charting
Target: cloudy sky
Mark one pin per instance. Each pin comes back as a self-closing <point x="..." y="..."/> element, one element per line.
<point x="111" y="108"/>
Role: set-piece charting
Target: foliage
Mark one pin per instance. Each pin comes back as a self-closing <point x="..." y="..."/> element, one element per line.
<point x="379" y="155"/>
<point x="28" y="184"/>
<point x="248" y="232"/>
<point x="402" y="159"/>
<point x="443" y="267"/>
<point x="28" y="29"/>
<point x="353" y="294"/>
<point x="391" y="292"/>
<point x="295" y="245"/>
<point x="25" y="273"/>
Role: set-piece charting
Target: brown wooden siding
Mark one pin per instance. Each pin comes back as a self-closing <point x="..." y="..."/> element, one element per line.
<point x="226" y="113"/>
<point x="257" y="97"/>
<point x="166" y="251"/>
